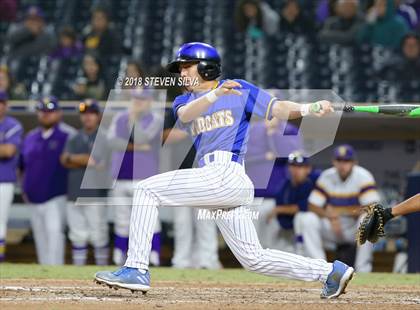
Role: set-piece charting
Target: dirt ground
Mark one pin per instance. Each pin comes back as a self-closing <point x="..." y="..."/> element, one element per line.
<point x="71" y="294"/>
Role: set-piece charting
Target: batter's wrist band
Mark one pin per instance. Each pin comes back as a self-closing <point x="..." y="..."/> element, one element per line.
<point x="211" y="96"/>
<point x="308" y="108"/>
<point x="304" y="109"/>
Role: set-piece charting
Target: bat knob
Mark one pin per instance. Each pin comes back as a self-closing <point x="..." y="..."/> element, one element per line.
<point x="348" y="108"/>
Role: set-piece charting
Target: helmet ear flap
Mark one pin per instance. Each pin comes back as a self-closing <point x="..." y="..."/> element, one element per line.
<point x="208" y="70"/>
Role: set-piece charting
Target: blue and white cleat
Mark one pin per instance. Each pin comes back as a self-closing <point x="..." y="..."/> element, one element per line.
<point x="125" y="277"/>
<point x="337" y="280"/>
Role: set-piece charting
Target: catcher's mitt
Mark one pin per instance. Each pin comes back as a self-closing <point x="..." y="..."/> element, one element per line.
<point x="372" y="226"/>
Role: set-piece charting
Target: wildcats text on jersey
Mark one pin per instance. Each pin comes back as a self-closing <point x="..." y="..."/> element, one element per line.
<point x="219" y="119"/>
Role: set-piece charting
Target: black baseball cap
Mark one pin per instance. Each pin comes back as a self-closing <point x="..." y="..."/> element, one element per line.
<point x="48" y="104"/>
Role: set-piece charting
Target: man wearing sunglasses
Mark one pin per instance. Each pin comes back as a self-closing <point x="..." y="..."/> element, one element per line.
<point x="336" y="204"/>
<point x="45" y="180"/>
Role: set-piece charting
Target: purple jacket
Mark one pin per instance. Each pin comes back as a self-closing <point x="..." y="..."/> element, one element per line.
<point x="44" y="176"/>
<point x="10" y="133"/>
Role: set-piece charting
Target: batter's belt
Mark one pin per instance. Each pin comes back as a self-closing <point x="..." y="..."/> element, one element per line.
<point x="220" y="156"/>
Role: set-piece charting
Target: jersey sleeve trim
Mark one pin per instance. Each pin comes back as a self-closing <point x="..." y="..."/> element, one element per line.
<point x="268" y="114"/>
<point x="12" y="131"/>
<point x="177" y="108"/>
<point x="367" y="187"/>
<point x="321" y="190"/>
<point x="317" y="199"/>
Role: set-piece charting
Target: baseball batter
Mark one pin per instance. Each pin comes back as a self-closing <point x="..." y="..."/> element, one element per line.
<point x="217" y="115"/>
<point x="10" y="140"/>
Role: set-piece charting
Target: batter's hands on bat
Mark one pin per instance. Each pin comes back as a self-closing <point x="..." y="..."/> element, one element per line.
<point x="321" y="108"/>
<point x="227" y="88"/>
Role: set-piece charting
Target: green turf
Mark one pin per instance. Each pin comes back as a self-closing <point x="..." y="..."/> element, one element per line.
<point x="28" y="271"/>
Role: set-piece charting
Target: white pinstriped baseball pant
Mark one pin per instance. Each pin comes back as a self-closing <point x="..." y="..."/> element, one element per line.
<point x="220" y="184"/>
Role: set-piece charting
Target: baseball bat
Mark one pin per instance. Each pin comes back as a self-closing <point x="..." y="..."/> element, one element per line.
<point x="409" y="110"/>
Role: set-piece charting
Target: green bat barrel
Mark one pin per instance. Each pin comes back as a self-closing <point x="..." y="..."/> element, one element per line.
<point x="392" y="109"/>
<point x="415" y="112"/>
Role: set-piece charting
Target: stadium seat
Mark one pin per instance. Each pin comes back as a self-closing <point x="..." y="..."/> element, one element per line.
<point x="151" y="30"/>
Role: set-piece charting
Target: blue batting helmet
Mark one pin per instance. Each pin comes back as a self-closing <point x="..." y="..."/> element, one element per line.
<point x="205" y="55"/>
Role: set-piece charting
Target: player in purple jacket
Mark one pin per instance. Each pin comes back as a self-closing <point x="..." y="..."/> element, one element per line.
<point x="10" y="140"/>
<point x="45" y="180"/>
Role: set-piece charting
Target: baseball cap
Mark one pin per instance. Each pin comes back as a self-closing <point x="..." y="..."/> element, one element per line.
<point x="3" y="96"/>
<point x="48" y="104"/>
<point x="34" y="12"/>
<point x="142" y="93"/>
<point x="89" y="105"/>
<point x="344" y="152"/>
<point x="297" y="158"/>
